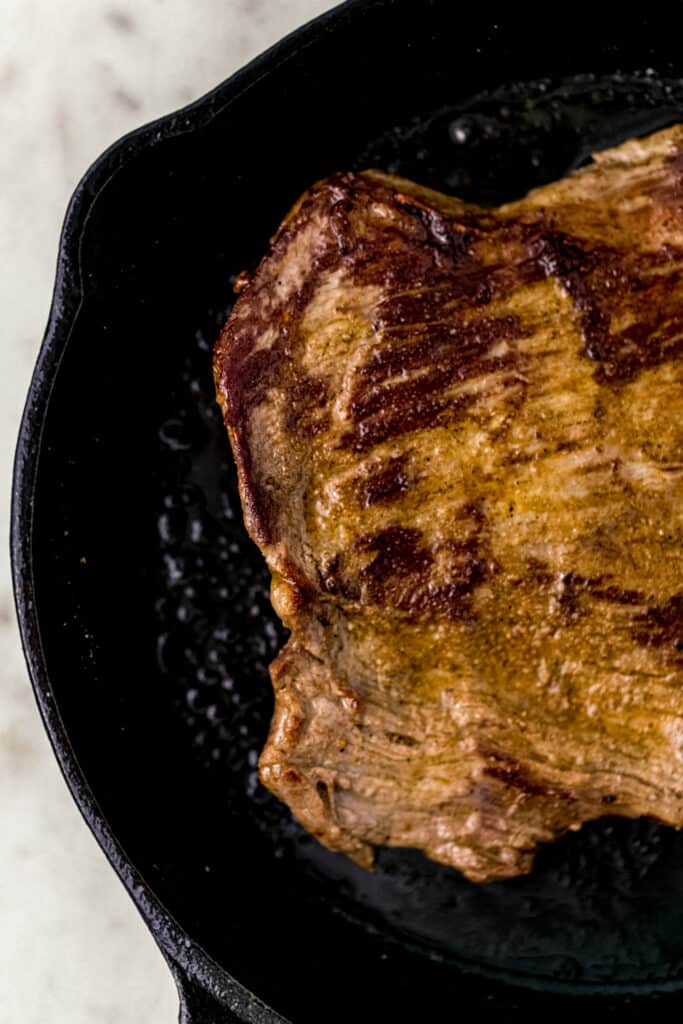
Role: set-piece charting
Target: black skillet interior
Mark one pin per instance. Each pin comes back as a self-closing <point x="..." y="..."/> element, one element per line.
<point x="143" y="604"/>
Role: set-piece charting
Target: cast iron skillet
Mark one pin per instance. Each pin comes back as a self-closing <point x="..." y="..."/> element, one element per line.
<point x="143" y="607"/>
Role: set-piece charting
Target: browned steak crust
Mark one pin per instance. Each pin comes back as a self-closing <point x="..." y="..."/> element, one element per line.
<point x="459" y="434"/>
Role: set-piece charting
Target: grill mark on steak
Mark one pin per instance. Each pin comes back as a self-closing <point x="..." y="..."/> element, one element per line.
<point x="408" y="576"/>
<point x="406" y="393"/>
<point x="656" y="625"/>
<point x="306" y="410"/>
<point x="662" y="626"/>
<point x="458" y="348"/>
<point x="394" y="420"/>
<point x="452" y="598"/>
<point x="575" y="587"/>
<point x="383" y="483"/>
<point x="437" y="301"/>
<point x="396" y="551"/>
<point x="510" y="771"/>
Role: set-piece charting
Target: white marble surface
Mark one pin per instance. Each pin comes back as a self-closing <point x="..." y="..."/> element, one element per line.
<point x="74" y="75"/>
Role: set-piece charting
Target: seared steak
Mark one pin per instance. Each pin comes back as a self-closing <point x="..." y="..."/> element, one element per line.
<point x="459" y="435"/>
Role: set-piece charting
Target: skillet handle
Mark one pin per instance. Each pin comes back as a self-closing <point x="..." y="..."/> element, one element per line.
<point x="198" y="1006"/>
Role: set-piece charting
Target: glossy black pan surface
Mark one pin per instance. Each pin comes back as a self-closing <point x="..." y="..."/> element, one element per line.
<point x="144" y="607"/>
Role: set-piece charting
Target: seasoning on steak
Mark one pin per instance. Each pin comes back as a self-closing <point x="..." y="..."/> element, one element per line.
<point x="459" y="435"/>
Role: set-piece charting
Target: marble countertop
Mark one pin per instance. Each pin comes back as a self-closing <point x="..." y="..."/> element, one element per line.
<point x="74" y="76"/>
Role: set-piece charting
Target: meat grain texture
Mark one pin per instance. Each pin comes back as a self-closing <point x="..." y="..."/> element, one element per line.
<point x="459" y="437"/>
